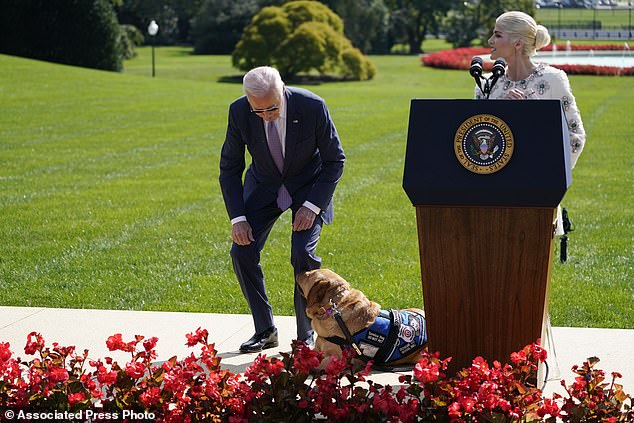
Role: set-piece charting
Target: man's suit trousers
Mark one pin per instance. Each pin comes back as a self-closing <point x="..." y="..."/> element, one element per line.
<point x="246" y="264"/>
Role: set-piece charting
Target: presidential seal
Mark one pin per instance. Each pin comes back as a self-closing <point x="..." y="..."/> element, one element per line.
<point x="483" y="144"/>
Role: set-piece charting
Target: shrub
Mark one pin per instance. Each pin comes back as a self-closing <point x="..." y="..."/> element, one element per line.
<point x="357" y="65"/>
<point x="460" y="58"/>
<point x="299" y="387"/>
<point x="298" y="37"/>
<point x="131" y="37"/>
<point x="302" y="11"/>
<point x="317" y="43"/>
<point x="268" y="29"/>
<point x="74" y="32"/>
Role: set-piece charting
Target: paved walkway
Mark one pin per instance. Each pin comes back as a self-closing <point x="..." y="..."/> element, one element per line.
<point x="89" y="329"/>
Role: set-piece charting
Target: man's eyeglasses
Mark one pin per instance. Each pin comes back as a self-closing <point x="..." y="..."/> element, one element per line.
<point x="268" y="109"/>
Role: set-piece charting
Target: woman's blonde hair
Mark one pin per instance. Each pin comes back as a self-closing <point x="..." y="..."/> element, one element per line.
<point x="520" y="26"/>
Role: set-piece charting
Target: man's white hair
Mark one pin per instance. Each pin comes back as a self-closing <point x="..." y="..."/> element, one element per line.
<point x="261" y="81"/>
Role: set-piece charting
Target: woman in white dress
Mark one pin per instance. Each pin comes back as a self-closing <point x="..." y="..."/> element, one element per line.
<point x="516" y="38"/>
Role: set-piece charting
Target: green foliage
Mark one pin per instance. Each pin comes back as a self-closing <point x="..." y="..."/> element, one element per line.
<point x="474" y="20"/>
<point x="302" y="11"/>
<point x="316" y="43"/>
<point x="357" y="66"/>
<point x="412" y="20"/>
<point x="173" y="17"/>
<point x="366" y="23"/>
<point x="491" y="9"/>
<point x="298" y="37"/>
<point x="268" y="29"/>
<point x="219" y="25"/>
<point x="73" y="32"/>
<point x="131" y="37"/>
<point x="298" y="387"/>
<point x="462" y="26"/>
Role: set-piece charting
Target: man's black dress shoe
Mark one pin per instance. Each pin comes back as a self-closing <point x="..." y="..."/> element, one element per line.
<point x="310" y="341"/>
<point x="260" y="341"/>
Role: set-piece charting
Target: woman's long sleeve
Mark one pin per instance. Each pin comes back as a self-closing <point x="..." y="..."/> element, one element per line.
<point x="561" y="90"/>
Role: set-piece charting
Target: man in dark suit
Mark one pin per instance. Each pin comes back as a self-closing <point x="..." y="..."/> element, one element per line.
<point x="297" y="160"/>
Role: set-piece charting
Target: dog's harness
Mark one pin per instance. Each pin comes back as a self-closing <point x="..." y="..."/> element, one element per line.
<point x="334" y="312"/>
<point x="393" y="335"/>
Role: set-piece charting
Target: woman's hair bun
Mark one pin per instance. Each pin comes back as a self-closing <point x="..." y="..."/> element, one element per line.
<point x="542" y="37"/>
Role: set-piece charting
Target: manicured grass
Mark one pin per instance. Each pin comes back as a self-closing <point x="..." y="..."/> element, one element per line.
<point x="607" y="17"/>
<point x="110" y="196"/>
<point x="432" y="44"/>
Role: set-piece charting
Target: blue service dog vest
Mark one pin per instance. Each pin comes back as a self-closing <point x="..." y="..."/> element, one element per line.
<point x="395" y="334"/>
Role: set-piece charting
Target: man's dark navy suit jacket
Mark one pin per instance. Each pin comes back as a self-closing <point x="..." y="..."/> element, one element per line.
<point x="313" y="162"/>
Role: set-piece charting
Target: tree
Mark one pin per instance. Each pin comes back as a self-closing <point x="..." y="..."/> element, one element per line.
<point x="218" y="26"/>
<point x="297" y="37"/>
<point x="174" y="17"/>
<point x="464" y="24"/>
<point x="475" y="19"/>
<point x="366" y="23"/>
<point x="131" y="37"/>
<point x="491" y="9"/>
<point x="215" y="26"/>
<point x="412" y="20"/>
<point x="141" y="12"/>
<point x="74" y="32"/>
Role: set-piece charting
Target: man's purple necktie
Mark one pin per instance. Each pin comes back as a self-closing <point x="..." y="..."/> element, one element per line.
<point x="275" y="147"/>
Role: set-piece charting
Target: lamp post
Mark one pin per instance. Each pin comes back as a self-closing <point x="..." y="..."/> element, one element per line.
<point x="152" y="29"/>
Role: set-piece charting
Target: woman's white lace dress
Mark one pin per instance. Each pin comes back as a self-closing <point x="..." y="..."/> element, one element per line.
<point x="547" y="82"/>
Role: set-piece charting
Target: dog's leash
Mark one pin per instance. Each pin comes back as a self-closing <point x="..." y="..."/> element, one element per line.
<point x="336" y="314"/>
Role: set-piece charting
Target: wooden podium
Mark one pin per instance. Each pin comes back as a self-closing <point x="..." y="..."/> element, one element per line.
<point x="486" y="177"/>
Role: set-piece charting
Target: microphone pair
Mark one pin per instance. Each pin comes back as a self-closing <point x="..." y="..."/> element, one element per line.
<point x="499" y="69"/>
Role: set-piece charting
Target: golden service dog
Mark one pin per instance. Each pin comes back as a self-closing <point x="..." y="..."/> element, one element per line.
<point x="390" y="338"/>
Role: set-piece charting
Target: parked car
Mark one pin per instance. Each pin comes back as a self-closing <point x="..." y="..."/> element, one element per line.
<point x="589" y="4"/>
<point x="546" y="3"/>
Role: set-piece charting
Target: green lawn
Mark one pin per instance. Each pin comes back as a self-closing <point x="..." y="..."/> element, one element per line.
<point x="110" y="196"/>
<point x="607" y="17"/>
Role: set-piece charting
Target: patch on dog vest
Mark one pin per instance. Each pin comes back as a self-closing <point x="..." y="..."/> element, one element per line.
<point x="395" y="334"/>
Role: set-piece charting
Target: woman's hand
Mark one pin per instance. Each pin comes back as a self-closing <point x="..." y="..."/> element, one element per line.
<point x="516" y="94"/>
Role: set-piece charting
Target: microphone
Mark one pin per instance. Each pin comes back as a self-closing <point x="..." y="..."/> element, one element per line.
<point x="476" y="67"/>
<point x="499" y="69"/>
<point x="476" y="71"/>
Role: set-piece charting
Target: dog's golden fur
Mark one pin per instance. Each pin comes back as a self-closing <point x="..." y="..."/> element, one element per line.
<point x="322" y="286"/>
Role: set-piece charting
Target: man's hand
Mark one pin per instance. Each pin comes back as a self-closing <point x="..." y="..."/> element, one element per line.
<point x="304" y="219"/>
<point x="241" y="233"/>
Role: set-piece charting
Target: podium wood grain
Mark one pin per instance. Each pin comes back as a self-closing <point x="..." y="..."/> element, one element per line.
<point x="486" y="279"/>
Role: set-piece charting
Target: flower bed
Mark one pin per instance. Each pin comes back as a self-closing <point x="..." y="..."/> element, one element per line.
<point x="460" y="58"/>
<point x="57" y="383"/>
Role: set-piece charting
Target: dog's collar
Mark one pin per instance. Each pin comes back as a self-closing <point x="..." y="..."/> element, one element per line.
<point x="327" y="313"/>
<point x="331" y="306"/>
<point x="334" y="312"/>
